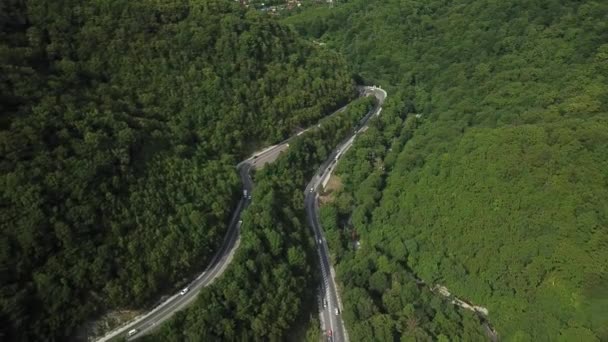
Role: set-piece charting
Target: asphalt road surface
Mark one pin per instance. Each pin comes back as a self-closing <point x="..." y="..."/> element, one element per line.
<point x="330" y="305"/>
<point x="146" y="323"/>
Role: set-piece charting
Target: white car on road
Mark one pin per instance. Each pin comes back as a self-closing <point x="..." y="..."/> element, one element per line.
<point x="184" y="291"/>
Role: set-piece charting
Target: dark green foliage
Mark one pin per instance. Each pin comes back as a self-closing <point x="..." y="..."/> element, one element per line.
<point x="269" y="281"/>
<point x="121" y="125"/>
<point x="501" y="194"/>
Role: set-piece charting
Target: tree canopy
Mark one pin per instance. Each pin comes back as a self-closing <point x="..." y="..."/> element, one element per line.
<point x="121" y="125"/>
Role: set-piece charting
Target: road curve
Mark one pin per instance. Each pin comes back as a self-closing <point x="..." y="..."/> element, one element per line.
<point x="151" y="320"/>
<point x="330" y="304"/>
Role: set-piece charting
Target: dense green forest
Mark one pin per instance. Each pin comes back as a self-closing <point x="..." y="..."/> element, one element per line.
<point x="383" y="301"/>
<point x="501" y="191"/>
<point x="269" y="284"/>
<point x="121" y="124"/>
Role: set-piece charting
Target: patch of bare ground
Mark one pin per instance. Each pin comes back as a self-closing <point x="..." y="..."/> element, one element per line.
<point x="333" y="185"/>
<point x="111" y="320"/>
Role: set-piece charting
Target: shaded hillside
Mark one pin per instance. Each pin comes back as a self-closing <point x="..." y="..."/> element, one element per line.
<point x="121" y="125"/>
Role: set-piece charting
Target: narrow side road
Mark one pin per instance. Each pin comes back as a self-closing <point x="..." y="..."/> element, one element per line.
<point x="331" y="306"/>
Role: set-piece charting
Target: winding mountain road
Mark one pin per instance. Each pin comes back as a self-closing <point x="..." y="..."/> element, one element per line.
<point x="331" y="306"/>
<point x="151" y="320"/>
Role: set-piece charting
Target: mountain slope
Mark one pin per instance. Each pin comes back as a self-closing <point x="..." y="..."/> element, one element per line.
<point x="501" y="192"/>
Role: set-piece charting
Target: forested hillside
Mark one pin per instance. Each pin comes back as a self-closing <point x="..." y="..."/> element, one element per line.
<point x="121" y="125"/>
<point x="383" y="300"/>
<point x="501" y="191"/>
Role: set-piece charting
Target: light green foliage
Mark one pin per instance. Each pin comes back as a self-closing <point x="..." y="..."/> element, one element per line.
<point x="501" y="194"/>
<point x="528" y="234"/>
<point x="381" y="296"/>
<point x="121" y="124"/>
